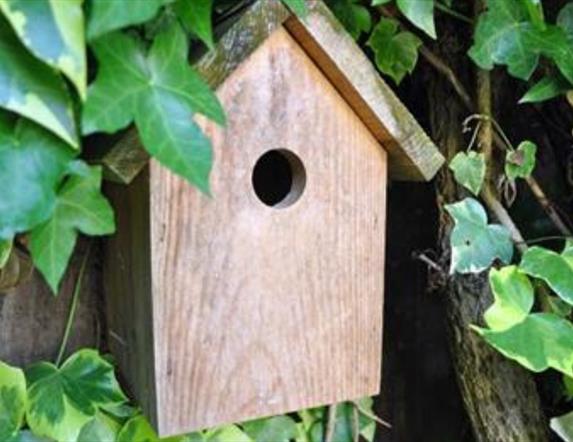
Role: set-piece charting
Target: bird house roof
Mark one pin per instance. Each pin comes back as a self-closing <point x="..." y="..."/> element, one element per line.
<point x="413" y="156"/>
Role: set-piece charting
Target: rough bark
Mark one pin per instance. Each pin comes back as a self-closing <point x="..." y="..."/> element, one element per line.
<point x="500" y="397"/>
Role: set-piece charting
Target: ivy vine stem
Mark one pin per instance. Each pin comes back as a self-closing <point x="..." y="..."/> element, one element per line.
<point x="73" y="306"/>
<point x="455" y="14"/>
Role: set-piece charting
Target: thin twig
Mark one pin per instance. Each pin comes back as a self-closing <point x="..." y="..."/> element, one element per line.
<point x="453" y="13"/>
<point x="546" y="238"/>
<point x="73" y="307"/>
<point x="428" y="261"/>
<point x="331" y="423"/>
<point x="372" y="416"/>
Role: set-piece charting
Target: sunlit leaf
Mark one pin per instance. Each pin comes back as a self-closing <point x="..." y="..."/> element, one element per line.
<point x="469" y="170"/>
<point x="475" y="243"/>
<point x="563" y="426"/>
<point x="419" y="12"/>
<point x="79" y="207"/>
<point x="396" y="52"/>
<point x="277" y="429"/>
<point x="521" y="162"/>
<point x="553" y="268"/>
<point x="513" y="298"/>
<point x="62" y="400"/>
<point x="539" y="342"/>
<point x="53" y="30"/>
<point x="12" y="401"/>
<point x="32" y="89"/>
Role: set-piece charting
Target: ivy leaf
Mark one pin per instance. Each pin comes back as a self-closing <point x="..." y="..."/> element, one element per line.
<point x="62" y="400"/>
<point x="396" y="53"/>
<point x="138" y="429"/>
<point x="32" y="89"/>
<point x="513" y="298"/>
<point x="196" y="16"/>
<point x="54" y="32"/>
<point x="276" y="429"/>
<point x="541" y="341"/>
<point x="297" y="6"/>
<point x="106" y="16"/>
<point x="12" y="401"/>
<point x="160" y="91"/>
<point x="545" y="89"/>
<point x="553" y="268"/>
<point x="32" y="164"/>
<point x="419" y="12"/>
<point x="28" y="436"/>
<point x="227" y="433"/>
<point x="565" y="20"/>
<point x="469" y="170"/>
<point x="501" y="37"/>
<point x="101" y="428"/>
<point x="5" y="250"/>
<point x="521" y="162"/>
<point x="475" y="243"/>
<point x="354" y="17"/>
<point x="563" y="426"/>
<point x="79" y="206"/>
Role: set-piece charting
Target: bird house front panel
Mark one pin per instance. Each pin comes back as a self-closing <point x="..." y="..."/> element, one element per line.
<point x="267" y="297"/>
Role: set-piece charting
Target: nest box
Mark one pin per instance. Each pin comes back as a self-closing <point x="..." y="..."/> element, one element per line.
<point x="267" y="297"/>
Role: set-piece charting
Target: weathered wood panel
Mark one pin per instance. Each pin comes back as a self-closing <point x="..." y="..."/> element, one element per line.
<point x="32" y="320"/>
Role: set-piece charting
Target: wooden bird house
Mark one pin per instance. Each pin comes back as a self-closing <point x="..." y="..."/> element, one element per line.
<point x="267" y="297"/>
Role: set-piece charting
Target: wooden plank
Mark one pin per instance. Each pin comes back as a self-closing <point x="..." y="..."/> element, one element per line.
<point x="127" y="288"/>
<point x="413" y="156"/>
<point x="252" y="304"/>
<point x="127" y="158"/>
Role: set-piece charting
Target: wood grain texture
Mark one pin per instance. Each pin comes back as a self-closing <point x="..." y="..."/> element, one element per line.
<point x="258" y="310"/>
<point x="127" y="288"/>
<point x="413" y="156"/>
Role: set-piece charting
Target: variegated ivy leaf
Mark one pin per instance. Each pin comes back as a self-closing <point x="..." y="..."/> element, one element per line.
<point x="553" y="268"/>
<point x="469" y="170"/>
<point x="396" y="53"/>
<point x="106" y="16"/>
<point x="160" y="91"/>
<point x="32" y="89"/>
<point x="196" y="16"/>
<point x="32" y="165"/>
<point x="475" y="243"/>
<point x="12" y="401"/>
<point x="63" y="400"/>
<point x="53" y="30"/>
<point x="79" y="207"/>
<point x="513" y="298"/>
<point x="521" y="162"/>
<point x="102" y="428"/>
<point x="563" y="426"/>
<point x="539" y="342"/>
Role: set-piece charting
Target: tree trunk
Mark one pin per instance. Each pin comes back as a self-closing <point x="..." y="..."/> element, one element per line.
<point x="500" y="396"/>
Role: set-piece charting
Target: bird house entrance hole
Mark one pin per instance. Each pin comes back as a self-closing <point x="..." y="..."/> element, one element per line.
<point x="279" y="178"/>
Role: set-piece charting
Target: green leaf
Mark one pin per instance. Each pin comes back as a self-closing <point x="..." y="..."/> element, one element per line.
<point x="79" y="207"/>
<point x="196" y="16"/>
<point x="565" y="20"/>
<point x="541" y="341"/>
<point x="106" y="16"/>
<point x="32" y="164"/>
<point x="545" y="89"/>
<point x="62" y="400"/>
<point x="32" y="89"/>
<point x="563" y="426"/>
<point x="101" y="428"/>
<point x="28" y="436"/>
<point x="513" y="298"/>
<point x="521" y="162"/>
<point x="553" y="268"/>
<point x="501" y="37"/>
<point x="297" y="6"/>
<point x="227" y="433"/>
<point x="419" y="12"/>
<point x="53" y="31"/>
<point x="469" y="170"/>
<point x="475" y="243"/>
<point x="396" y="53"/>
<point x="354" y="17"/>
<point x="276" y="429"/>
<point x="138" y="429"/>
<point x="12" y="401"/>
<point x="5" y="250"/>
<point x="161" y="92"/>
